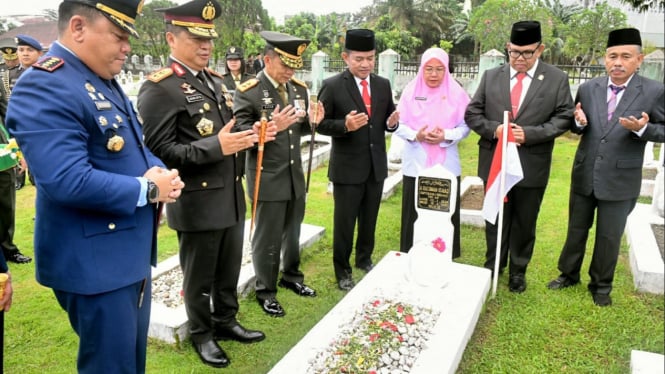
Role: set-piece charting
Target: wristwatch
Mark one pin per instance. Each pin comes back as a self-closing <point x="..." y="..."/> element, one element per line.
<point x="153" y="192"/>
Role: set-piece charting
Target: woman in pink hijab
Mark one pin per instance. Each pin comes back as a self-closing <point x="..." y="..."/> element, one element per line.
<point x="432" y="123"/>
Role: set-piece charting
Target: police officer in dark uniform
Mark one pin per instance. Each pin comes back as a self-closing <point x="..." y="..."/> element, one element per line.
<point x="276" y="94"/>
<point x="236" y="69"/>
<point x="187" y="123"/>
<point x="236" y="74"/>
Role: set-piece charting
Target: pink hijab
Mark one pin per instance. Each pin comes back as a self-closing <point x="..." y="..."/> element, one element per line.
<point x="442" y="106"/>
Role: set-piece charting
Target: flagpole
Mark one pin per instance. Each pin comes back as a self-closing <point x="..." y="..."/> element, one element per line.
<point x="502" y="187"/>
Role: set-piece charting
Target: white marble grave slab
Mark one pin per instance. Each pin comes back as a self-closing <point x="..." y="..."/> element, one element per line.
<point x="460" y="303"/>
<point x="170" y="324"/>
<point x="646" y="263"/>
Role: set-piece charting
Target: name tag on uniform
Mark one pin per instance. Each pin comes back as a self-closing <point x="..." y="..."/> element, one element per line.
<point x="103" y="105"/>
<point x="194" y="98"/>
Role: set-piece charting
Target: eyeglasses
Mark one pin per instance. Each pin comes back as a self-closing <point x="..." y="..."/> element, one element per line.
<point x="526" y="54"/>
<point x="430" y="70"/>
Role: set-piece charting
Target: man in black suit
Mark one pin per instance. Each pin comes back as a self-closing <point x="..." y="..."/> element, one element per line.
<point x="276" y="94"/>
<point x="541" y="112"/>
<point x="359" y="109"/>
<point x="607" y="171"/>
<point x="187" y="123"/>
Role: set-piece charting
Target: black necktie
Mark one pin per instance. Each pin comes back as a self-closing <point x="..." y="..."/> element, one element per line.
<point x="201" y="76"/>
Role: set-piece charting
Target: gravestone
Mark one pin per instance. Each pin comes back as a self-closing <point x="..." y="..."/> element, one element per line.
<point x="436" y="196"/>
<point x="431" y="255"/>
<point x="147" y="60"/>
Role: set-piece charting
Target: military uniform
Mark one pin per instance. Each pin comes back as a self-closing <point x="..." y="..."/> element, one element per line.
<point x="8" y="73"/>
<point x="230" y="81"/>
<point x="26" y="41"/>
<point x="281" y="198"/>
<point x="8" y="177"/>
<point x="94" y="241"/>
<point x="182" y="117"/>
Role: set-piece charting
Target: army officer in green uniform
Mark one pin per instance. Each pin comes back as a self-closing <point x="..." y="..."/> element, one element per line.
<point x="283" y="99"/>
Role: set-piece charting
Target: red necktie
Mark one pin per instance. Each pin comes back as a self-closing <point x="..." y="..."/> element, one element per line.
<point x="366" y="98"/>
<point x="612" y="103"/>
<point x="516" y="93"/>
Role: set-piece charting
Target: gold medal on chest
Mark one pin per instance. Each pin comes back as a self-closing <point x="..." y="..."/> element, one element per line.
<point x="115" y="143"/>
<point x="205" y="126"/>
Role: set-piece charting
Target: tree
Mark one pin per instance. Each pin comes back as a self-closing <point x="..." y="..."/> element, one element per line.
<point x="389" y="36"/>
<point x="238" y="17"/>
<point x="150" y="26"/>
<point x="490" y="24"/>
<point x="562" y="15"/>
<point x="427" y="20"/>
<point x="586" y="33"/>
<point x="646" y="5"/>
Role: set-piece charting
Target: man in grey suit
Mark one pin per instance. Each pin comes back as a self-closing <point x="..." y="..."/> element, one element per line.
<point x="542" y="110"/>
<point x="616" y="116"/>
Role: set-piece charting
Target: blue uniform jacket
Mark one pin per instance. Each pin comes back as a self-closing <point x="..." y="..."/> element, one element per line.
<point x="90" y="236"/>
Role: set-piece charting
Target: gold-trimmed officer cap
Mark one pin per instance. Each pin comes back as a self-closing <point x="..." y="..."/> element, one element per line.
<point x="121" y="12"/>
<point x="8" y="49"/>
<point x="234" y="53"/>
<point x="289" y="48"/>
<point x="196" y="16"/>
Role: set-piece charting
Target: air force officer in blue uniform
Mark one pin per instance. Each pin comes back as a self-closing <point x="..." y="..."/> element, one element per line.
<point x="97" y="184"/>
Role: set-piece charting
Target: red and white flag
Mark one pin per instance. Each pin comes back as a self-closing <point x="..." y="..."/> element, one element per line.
<point x="505" y="172"/>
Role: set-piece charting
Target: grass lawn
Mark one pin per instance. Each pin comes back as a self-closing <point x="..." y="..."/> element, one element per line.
<point x="539" y="331"/>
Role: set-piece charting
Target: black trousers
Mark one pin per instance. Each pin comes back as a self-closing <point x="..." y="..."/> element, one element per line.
<point x="7" y="210"/>
<point x="610" y="225"/>
<point x="409" y="216"/>
<point x="210" y="262"/>
<point x="520" y="216"/>
<point x="355" y="203"/>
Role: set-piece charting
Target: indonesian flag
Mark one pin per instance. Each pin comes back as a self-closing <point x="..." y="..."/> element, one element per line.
<point x="505" y="172"/>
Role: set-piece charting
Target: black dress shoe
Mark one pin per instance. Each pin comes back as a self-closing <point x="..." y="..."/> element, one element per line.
<point x="517" y="283"/>
<point x="211" y="354"/>
<point x="601" y="299"/>
<point x="367" y="268"/>
<point x="272" y="307"/>
<point x="561" y="282"/>
<point x="346" y="284"/>
<point x="238" y="333"/>
<point x="300" y="289"/>
<point x="17" y="257"/>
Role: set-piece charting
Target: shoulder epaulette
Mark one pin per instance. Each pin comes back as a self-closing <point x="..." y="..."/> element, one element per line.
<point x="215" y="73"/>
<point x="160" y="74"/>
<point x="298" y="82"/>
<point x="246" y="85"/>
<point x="50" y="63"/>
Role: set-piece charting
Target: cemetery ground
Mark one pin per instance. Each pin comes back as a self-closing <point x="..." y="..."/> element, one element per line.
<point x="539" y="331"/>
